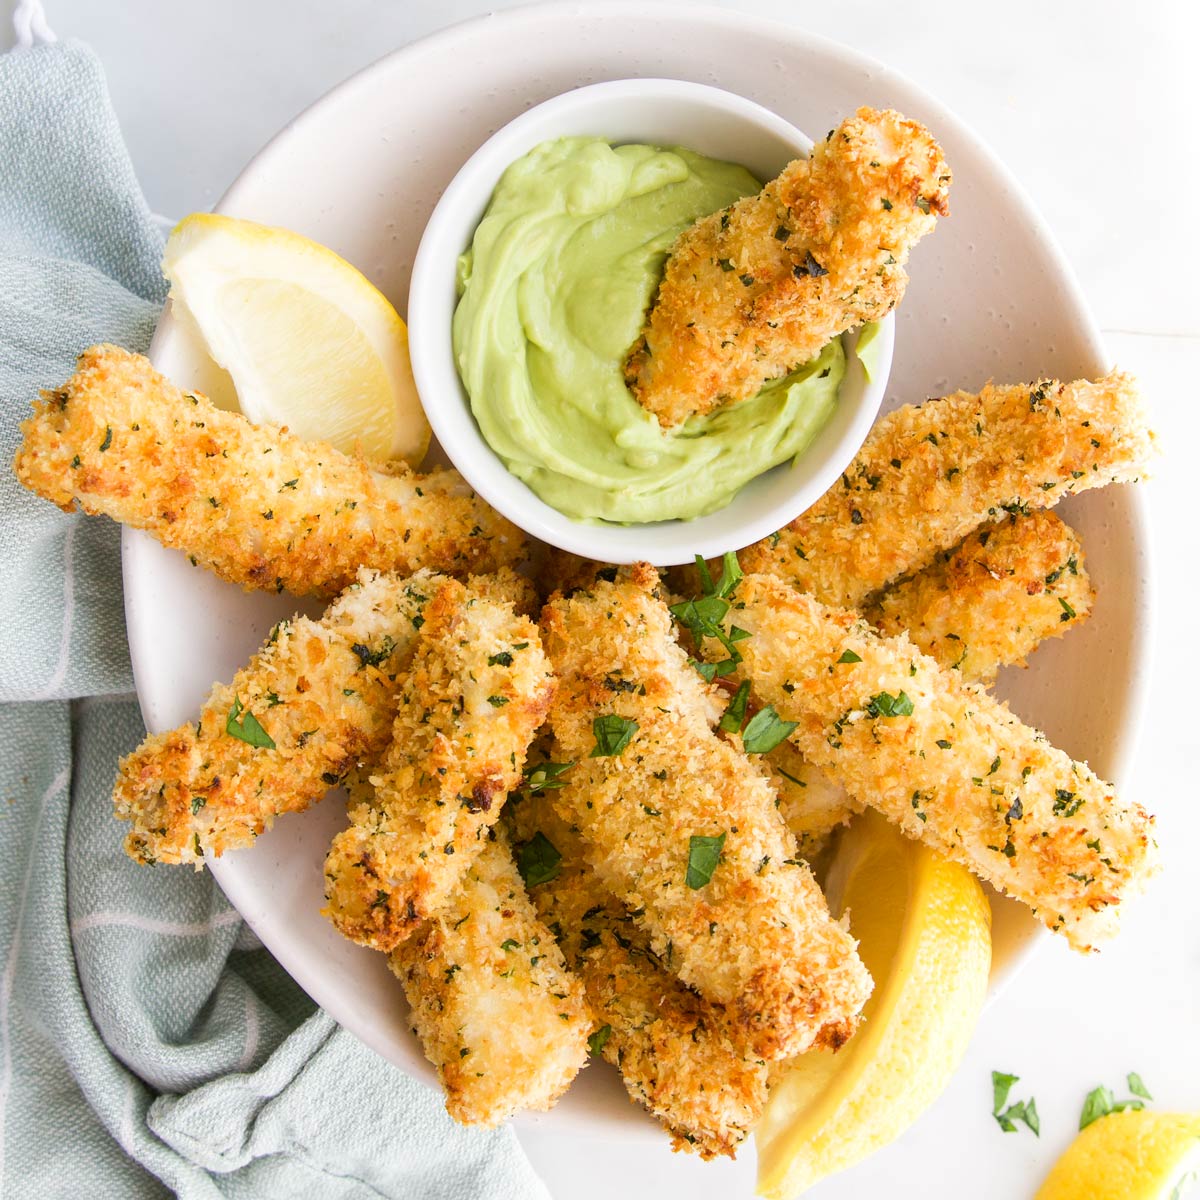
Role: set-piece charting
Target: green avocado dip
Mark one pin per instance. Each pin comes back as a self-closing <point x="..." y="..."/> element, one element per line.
<point x="552" y="294"/>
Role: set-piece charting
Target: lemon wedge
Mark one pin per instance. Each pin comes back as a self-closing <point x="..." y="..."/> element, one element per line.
<point x="308" y="341"/>
<point x="1127" y="1155"/>
<point x="924" y="930"/>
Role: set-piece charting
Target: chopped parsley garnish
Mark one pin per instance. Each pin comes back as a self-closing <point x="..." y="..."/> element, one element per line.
<point x="198" y="802"/>
<point x="886" y="705"/>
<point x="597" y="1040"/>
<point x="538" y="861"/>
<point x="702" y="616"/>
<point x="509" y="944"/>
<point x="809" y="266"/>
<point x="497" y="701"/>
<point x="104" y="445"/>
<point x="1100" y="1102"/>
<point x="730" y="577"/>
<point x="1022" y="1110"/>
<point x="373" y="658"/>
<point x="247" y="729"/>
<point x="546" y="776"/>
<point x="613" y="733"/>
<point x="703" y="855"/>
<point x="503" y="659"/>
<point x="1068" y="613"/>
<point x="887" y="204"/>
<point x="848" y="656"/>
<point x="735" y="712"/>
<point x="765" y="730"/>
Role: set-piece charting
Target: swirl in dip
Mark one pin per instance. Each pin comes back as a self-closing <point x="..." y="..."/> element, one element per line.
<point x="553" y="292"/>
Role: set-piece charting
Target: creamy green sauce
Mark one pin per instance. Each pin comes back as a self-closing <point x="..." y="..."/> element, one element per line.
<point x="553" y="292"/>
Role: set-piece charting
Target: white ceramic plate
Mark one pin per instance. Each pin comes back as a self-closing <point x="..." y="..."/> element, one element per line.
<point x="361" y="170"/>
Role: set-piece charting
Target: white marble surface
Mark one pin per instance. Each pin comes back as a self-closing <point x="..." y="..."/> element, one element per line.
<point x="1085" y="102"/>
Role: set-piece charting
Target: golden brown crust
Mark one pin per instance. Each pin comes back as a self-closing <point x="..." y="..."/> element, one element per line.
<point x="757" y="938"/>
<point x="476" y="692"/>
<point x="497" y="1012"/>
<point x="994" y="598"/>
<point x="930" y="474"/>
<point x="254" y="504"/>
<point x="323" y="693"/>
<point x="758" y="289"/>
<point x="960" y="772"/>
<point x="676" y="1052"/>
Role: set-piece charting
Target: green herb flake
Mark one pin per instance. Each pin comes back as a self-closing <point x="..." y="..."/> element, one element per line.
<point x="104" y="445"/>
<point x="497" y="701"/>
<point x="848" y="656"/>
<point x="1134" y="1082"/>
<point x="598" y="1040"/>
<point x="613" y="733"/>
<point x="1068" y="613"/>
<point x="510" y="944"/>
<point x="546" y="776"/>
<point x="198" y="802"/>
<point x="538" y="861"/>
<point x="503" y="659"/>
<point x="765" y="730"/>
<point x="704" y="853"/>
<point x="1098" y="1103"/>
<point x="886" y="705"/>
<point x="247" y="729"/>
<point x="735" y="712"/>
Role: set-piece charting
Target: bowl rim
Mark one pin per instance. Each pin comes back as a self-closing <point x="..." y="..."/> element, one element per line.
<point x="459" y="209"/>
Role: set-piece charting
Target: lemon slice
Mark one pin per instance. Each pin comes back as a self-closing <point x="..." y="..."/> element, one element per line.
<point x="1127" y="1155"/>
<point x="924" y="930"/>
<point x="309" y="342"/>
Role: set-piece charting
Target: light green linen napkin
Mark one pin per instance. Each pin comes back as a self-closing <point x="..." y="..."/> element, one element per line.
<point x="148" y="1043"/>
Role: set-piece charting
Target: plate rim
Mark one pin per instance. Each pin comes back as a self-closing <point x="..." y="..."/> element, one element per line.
<point x="1130" y="722"/>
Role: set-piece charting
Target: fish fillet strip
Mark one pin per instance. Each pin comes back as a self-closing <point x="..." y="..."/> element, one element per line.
<point x="254" y="504"/>
<point x="997" y="596"/>
<point x="675" y="1051"/>
<point x="960" y="772"/>
<point x="492" y="1002"/>
<point x="757" y="938"/>
<point x="929" y="475"/>
<point x="468" y="706"/>
<point x="987" y="604"/>
<point x="322" y="691"/>
<point x="756" y="290"/>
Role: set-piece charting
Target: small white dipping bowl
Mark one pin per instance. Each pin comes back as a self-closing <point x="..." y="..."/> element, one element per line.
<point x="663" y="112"/>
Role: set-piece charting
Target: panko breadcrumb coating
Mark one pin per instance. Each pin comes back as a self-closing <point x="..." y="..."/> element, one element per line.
<point x="674" y="1050"/>
<point x="753" y="932"/>
<point x="929" y="475"/>
<point x="476" y="692"/>
<point x="945" y="761"/>
<point x="492" y="1002"/>
<point x="758" y="289"/>
<point x="309" y="706"/>
<point x="254" y="504"/>
<point x="993" y="599"/>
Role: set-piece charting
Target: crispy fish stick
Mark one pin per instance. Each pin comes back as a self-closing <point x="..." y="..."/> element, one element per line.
<point x="931" y="474"/>
<point x="992" y="600"/>
<point x="674" y="1050"/>
<point x="754" y="291"/>
<point x="254" y="504"/>
<point x="682" y="828"/>
<point x="312" y="703"/>
<point x="496" y="1010"/>
<point x="945" y="761"/>
<point x="478" y="688"/>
